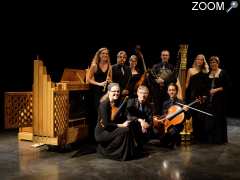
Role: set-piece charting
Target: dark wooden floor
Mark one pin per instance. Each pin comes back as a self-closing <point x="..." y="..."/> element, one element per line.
<point x="19" y="160"/>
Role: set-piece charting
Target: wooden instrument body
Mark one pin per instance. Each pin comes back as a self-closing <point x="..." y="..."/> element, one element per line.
<point x="173" y="117"/>
<point x="178" y="119"/>
<point x="116" y="110"/>
<point x="181" y="82"/>
<point x="145" y="74"/>
<point x="43" y="115"/>
<point x="52" y="123"/>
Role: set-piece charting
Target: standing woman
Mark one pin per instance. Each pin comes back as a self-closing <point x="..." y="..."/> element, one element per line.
<point x="133" y="60"/>
<point x="199" y="70"/>
<point x="197" y="86"/>
<point x="112" y="134"/>
<point x="100" y="73"/>
<point x="219" y="85"/>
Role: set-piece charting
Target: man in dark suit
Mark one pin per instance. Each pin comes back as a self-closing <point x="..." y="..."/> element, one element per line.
<point x="163" y="74"/>
<point x="121" y="73"/>
<point x="140" y="115"/>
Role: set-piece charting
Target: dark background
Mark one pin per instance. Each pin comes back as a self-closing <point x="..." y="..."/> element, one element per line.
<point x="68" y="35"/>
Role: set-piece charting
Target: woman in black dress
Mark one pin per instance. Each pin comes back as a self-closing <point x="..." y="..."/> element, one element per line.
<point x="197" y="86"/>
<point x="100" y="73"/>
<point x="133" y="60"/>
<point x="112" y="133"/>
<point x="219" y="83"/>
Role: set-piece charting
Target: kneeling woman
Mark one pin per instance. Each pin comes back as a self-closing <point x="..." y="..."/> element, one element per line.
<point x="114" y="138"/>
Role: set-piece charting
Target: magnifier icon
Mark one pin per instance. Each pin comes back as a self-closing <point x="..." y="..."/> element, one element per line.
<point x="233" y="4"/>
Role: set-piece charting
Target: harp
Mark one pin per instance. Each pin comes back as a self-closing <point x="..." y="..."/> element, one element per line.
<point x="182" y="70"/>
<point x="181" y="82"/>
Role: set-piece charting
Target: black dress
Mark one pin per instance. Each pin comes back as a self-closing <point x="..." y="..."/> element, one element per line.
<point x="132" y="85"/>
<point x="96" y="92"/>
<point x="217" y="126"/>
<point x="198" y="86"/>
<point x="113" y="142"/>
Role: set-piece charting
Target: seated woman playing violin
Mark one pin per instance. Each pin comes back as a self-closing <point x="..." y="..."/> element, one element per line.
<point x="168" y="126"/>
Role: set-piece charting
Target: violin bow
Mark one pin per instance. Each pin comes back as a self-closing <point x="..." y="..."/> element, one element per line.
<point x="195" y="109"/>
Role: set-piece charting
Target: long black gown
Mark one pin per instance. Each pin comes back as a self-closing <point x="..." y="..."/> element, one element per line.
<point x="217" y="126"/>
<point x="96" y="92"/>
<point x="113" y="142"/>
<point x="198" y="86"/>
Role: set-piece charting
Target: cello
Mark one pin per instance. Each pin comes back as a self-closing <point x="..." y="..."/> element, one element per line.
<point x="173" y="116"/>
<point x="145" y="74"/>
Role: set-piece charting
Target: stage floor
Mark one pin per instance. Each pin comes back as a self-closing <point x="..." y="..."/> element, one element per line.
<point x="19" y="160"/>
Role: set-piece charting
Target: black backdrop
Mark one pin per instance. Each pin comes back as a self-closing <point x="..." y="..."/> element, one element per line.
<point x="68" y="35"/>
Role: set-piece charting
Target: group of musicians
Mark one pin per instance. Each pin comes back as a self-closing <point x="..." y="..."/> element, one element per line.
<point x="132" y="107"/>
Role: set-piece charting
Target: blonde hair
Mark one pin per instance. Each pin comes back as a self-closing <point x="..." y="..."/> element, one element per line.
<point x="204" y="68"/>
<point x="133" y="57"/>
<point x="96" y="58"/>
<point x="94" y="65"/>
